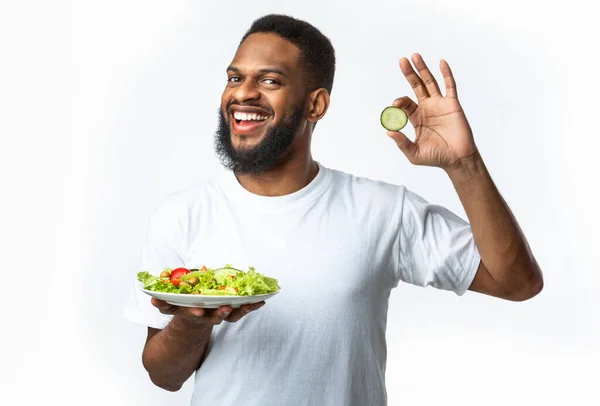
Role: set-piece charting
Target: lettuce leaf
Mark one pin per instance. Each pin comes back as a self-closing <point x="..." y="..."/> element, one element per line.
<point x="226" y="281"/>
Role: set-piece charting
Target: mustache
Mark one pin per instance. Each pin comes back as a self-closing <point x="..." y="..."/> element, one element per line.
<point x="256" y="105"/>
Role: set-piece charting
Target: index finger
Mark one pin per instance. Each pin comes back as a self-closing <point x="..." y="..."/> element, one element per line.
<point x="413" y="79"/>
<point x="426" y="75"/>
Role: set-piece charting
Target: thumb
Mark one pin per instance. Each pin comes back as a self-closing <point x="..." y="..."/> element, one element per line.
<point x="407" y="147"/>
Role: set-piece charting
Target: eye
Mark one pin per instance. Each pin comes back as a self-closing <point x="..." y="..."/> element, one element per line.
<point x="234" y="79"/>
<point x="270" y="82"/>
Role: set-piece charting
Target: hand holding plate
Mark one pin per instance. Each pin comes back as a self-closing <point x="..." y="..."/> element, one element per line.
<point x="206" y="316"/>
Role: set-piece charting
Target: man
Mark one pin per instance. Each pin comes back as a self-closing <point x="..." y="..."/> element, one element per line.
<point x="338" y="244"/>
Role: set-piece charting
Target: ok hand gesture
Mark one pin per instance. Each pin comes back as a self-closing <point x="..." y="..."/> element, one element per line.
<point x="443" y="135"/>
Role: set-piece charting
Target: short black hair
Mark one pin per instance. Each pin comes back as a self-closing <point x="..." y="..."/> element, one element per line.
<point x="316" y="51"/>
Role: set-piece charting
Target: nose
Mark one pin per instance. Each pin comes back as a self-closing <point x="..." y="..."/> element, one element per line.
<point x="247" y="90"/>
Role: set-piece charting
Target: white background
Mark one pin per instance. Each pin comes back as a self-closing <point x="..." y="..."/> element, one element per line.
<point x="106" y="107"/>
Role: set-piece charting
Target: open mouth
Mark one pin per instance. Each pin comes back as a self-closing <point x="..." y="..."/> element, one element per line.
<point x="246" y="122"/>
<point x="239" y="117"/>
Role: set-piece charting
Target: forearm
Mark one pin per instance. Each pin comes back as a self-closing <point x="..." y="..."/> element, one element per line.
<point x="172" y="355"/>
<point x="503" y="248"/>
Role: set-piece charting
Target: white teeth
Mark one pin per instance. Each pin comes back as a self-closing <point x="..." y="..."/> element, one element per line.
<point x="238" y="115"/>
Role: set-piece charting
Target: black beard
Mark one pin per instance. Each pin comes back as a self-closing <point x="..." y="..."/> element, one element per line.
<point x="266" y="154"/>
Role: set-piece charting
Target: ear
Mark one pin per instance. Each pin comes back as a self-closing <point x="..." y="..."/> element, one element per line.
<point x="318" y="103"/>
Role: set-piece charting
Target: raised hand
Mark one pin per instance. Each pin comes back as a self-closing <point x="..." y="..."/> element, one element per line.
<point x="443" y="135"/>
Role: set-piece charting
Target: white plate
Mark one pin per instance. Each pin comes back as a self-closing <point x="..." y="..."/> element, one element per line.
<point x="207" y="301"/>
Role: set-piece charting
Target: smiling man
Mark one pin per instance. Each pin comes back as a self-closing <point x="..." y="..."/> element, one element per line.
<point x="337" y="243"/>
<point x="272" y="100"/>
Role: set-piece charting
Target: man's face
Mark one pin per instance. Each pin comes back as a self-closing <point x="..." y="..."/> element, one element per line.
<point x="262" y="106"/>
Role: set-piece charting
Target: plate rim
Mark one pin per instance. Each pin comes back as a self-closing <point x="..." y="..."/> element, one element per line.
<point x="175" y="295"/>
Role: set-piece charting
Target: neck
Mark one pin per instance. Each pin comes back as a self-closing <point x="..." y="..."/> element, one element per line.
<point x="288" y="177"/>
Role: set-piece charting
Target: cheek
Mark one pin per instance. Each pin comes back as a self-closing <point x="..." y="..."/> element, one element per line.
<point x="281" y="111"/>
<point x="291" y="111"/>
<point x="225" y="99"/>
<point x="223" y="106"/>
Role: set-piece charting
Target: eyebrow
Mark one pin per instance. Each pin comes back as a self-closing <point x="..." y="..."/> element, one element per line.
<point x="264" y="70"/>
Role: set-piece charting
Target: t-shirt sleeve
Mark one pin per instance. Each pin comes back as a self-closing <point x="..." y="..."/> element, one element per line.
<point x="436" y="246"/>
<point x="164" y="247"/>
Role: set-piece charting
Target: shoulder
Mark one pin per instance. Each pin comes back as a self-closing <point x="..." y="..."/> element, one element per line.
<point x="186" y="201"/>
<point x="365" y="188"/>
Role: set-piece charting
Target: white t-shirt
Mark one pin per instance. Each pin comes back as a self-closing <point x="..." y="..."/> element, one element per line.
<point x="337" y="247"/>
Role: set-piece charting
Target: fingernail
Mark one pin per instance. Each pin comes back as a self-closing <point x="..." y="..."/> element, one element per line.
<point x="226" y="313"/>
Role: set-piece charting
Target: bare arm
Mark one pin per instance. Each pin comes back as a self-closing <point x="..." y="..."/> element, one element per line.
<point x="444" y="139"/>
<point x="173" y="354"/>
<point x="508" y="269"/>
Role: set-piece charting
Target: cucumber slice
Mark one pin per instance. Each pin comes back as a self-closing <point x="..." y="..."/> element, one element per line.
<point x="393" y="118"/>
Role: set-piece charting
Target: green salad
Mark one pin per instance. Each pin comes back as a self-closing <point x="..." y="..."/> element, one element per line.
<point x="227" y="281"/>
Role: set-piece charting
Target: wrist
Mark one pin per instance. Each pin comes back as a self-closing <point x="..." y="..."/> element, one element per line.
<point x="183" y="325"/>
<point x="466" y="169"/>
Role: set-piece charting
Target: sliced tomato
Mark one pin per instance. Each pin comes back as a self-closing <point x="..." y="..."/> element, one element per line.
<point x="176" y="274"/>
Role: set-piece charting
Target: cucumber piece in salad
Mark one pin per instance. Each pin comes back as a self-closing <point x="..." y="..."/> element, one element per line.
<point x="393" y="118"/>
